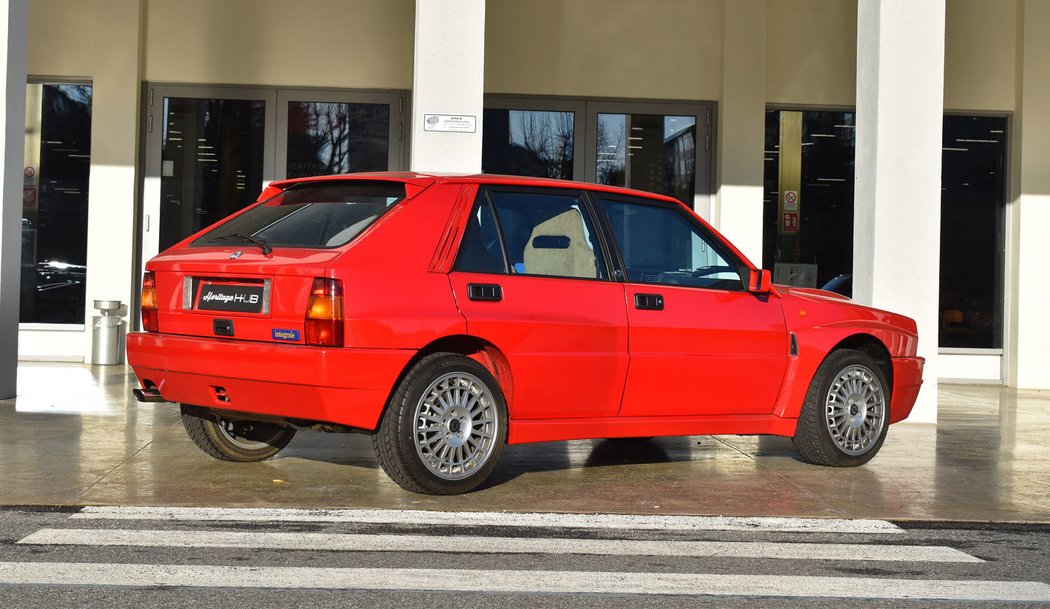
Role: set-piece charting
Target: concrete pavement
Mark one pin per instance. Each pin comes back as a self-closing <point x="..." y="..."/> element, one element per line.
<point x="76" y="436"/>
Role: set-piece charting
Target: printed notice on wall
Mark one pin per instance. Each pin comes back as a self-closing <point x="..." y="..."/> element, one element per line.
<point x="450" y="123"/>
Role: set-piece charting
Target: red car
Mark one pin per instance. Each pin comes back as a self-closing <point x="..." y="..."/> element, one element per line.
<point x="449" y="315"/>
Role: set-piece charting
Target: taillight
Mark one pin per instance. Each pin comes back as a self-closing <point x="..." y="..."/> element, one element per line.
<point x="324" y="313"/>
<point x="149" y="303"/>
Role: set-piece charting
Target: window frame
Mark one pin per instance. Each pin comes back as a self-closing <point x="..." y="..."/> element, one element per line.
<point x="484" y="196"/>
<point x="715" y="240"/>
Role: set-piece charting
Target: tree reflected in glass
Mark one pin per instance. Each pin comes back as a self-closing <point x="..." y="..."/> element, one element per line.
<point x="333" y="138"/>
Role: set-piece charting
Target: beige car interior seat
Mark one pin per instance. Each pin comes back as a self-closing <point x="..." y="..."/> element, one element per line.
<point x="559" y="247"/>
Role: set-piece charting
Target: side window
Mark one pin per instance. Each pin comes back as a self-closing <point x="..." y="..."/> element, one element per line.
<point x="660" y="245"/>
<point x="480" y="251"/>
<point x="548" y="234"/>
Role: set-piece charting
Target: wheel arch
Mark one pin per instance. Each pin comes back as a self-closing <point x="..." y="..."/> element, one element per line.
<point x="874" y="348"/>
<point x="477" y="349"/>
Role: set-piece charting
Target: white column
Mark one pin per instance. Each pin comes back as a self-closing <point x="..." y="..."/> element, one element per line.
<point x="897" y="203"/>
<point x="448" y="86"/>
<point x="14" y="24"/>
<point x="116" y="92"/>
<point x="1028" y="359"/>
<point x="742" y="126"/>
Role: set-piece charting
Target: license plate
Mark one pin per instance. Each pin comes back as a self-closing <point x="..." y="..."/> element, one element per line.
<point x="236" y="297"/>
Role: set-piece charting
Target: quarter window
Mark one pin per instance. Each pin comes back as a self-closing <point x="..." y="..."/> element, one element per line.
<point x="660" y="245"/>
<point x="542" y="234"/>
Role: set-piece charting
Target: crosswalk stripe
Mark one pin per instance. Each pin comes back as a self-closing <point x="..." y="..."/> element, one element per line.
<point x="498" y="581"/>
<point x="505" y="519"/>
<point x="493" y="545"/>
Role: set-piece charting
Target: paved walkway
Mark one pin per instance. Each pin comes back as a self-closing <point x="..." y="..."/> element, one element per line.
<point x="76" y="436"/>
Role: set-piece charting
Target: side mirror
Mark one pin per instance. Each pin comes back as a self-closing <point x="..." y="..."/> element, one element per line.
<point x="759" y="282"/>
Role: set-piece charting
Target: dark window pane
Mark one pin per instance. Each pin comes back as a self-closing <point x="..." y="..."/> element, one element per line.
<point x="332" y="138"/>
<point x="55" y="203"/>
<point x="972" y="238"/>
<point x="660" y="245"/>
<point x="211" y="162"/>
<point x="548" y="234"/>
<point x="534" y="143"/>
<point x="808" y="197"/>
<point x="650" y="152"/>
<point x="481" y="251"/>
<point x="323" y="215"/>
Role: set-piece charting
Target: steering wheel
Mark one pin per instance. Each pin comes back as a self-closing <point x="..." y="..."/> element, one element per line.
<point x="704" y="271"/>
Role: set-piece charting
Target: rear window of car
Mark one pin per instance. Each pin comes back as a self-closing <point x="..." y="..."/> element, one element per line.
<point x="323" y="215"/>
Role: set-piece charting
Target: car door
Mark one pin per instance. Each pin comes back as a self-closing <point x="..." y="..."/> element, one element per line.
<point x="532" y="278"/>
<point x="700" y="344"/>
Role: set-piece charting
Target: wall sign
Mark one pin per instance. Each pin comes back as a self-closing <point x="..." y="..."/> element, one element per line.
<point x="791" y="200"/>
<point x="450" y="123"/>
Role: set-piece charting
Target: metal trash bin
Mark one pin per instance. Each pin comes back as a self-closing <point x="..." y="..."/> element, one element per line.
<point x="109" y="333"/>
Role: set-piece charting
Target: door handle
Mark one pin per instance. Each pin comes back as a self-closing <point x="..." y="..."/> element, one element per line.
<point x="485" y="292"/>
<point x="649" y="302"/>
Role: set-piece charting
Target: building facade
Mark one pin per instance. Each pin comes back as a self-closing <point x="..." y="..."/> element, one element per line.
<point x="894" y="149"/>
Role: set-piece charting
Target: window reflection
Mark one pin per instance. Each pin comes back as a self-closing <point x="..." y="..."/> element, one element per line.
<point x="972" y="238"/>
<point x="332" y="138"/>
<point x="651" y="152"/>
<point x="808" y="236"/>
<point x="211" y="162"/>
<point x="536" y="143"/>
<point x="55" y="203"/>
<point x="808" y="197"/>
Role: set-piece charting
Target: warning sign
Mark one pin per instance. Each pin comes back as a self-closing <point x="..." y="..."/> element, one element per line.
<point x="789" y="222"/>
<point x="791" y="200"/>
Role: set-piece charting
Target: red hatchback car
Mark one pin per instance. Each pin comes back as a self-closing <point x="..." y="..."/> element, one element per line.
<point x="449" y="315"/>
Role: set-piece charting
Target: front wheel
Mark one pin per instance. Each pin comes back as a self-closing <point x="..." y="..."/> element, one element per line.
<point x="233" y="439"/>
<point x="846" y="414"/>
<point x="444" y="427"/>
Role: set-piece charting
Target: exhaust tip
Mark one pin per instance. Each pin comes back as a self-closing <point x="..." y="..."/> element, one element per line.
<point x="148" y="393"/>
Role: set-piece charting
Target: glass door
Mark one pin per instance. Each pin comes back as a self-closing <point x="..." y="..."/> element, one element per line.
<point x="209" y="153"/>
<point x="327" y="132"/>
<point x="656" y="147"/>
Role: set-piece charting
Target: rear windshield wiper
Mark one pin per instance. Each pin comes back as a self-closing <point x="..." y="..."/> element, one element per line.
<point x="259" y="241"/>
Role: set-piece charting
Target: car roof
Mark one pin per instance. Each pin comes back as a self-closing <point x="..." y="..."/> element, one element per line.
<point x="422" y="180"/>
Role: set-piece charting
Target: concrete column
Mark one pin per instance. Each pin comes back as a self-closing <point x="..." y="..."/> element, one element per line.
<point x="14" y="25"/>
<point x="1028" y="359"/>
<point x="897" y="203"/>
<point x="448" y="86"/>
<point x="742" y="126"/>
<point x="116" y="93"/>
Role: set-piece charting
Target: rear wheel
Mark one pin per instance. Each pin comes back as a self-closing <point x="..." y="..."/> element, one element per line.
<point x="846" y="414"/>
<point x="444" y="428"/>
<point x="233" y="439"/>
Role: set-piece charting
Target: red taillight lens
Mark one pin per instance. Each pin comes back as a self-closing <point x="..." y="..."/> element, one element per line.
<point x="324" y="313"/>
<point x="149" y="303"/>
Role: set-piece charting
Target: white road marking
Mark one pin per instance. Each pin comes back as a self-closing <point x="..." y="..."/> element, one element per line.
<point x="559" y="582"/>
<point x="492" y="545"/>
<point x="499" y="519"/>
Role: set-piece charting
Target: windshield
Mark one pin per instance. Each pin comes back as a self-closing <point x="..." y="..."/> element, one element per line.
<point x="319" y="215"/>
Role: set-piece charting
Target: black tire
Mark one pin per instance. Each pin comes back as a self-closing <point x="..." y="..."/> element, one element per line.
<point x="233" y="440"/>
<point x="846" y="413"/>
<point x="462" y="438"/>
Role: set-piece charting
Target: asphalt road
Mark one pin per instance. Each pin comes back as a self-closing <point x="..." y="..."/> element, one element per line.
<point x="135" y="557"/>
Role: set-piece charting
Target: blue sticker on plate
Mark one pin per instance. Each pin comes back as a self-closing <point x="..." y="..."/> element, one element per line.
<point x="285" y="334"/>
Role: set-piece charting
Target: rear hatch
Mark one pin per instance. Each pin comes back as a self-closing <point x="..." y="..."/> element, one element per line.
<point x="250" y="277"/>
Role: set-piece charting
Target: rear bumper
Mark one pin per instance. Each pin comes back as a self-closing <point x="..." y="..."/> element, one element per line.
<point x="907" y="379"/>
<point x="345" y="386"/>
